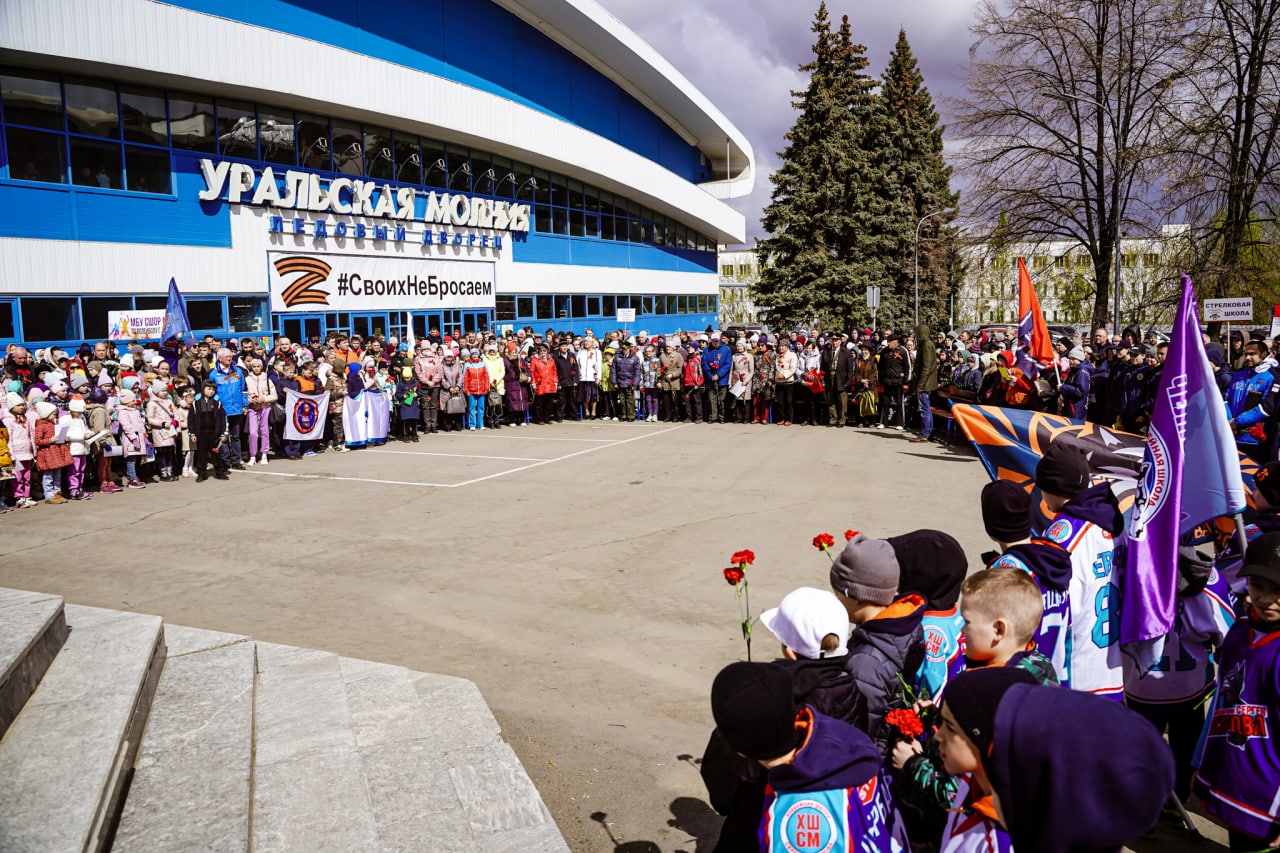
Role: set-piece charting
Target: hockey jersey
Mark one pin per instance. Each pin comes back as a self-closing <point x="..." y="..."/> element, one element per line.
<point x="1239" y="774"/>
<point x="832" y="797"/>
<point x="1186" y="670"/>
<point x="972" y="827"/>
<point x="1086" y="529"/>
<point x="1050" y="566"/>
<point x="943" y="650"/>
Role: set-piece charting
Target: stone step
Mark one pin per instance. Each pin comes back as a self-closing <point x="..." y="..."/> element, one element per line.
<point x="309" y="790"/>
<point x="501" y="808"/>
<point x="191" y="787"/>
<point x="65" y="759"/>
<point x="33" y="628"/>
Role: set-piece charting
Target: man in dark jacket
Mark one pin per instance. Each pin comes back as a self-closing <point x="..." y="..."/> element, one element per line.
<point x="567" y="377"/>
<point x="837" y="367"/>
<point x="626" y="377"/>
<point x="894" y="373"/>
<point x="924" y="379"/>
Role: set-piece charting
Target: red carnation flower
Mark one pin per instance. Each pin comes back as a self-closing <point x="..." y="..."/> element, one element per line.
<point x="743" y="556"/>
<point x="823" y="541"/>
<point x="849" y="534"/>
<point x="734" y="575"/>
<point x="906" y="721"/>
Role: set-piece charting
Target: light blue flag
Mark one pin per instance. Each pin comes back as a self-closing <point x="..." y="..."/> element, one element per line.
<point x="1190" y="475"/>
<point x="176" y="324"/>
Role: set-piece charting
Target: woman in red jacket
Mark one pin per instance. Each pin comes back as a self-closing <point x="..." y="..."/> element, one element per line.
<point x="545" y="385"/>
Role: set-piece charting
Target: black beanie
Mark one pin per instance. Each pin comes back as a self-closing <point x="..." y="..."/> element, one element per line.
<point x="1063" y="470"/>
<point x="931" y="563"/>
<point x="1267" y="482"/>
<point x="755" y="710"/>
<point x="973" y="697"/>
<point x="1006" y="511"/>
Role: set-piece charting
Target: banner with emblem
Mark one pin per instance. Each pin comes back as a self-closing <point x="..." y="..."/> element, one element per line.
<point x="304" y="415"/>
<point x="1009" y="443"/>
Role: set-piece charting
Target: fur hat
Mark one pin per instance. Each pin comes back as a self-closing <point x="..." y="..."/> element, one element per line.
<point x="44" y="409"/>
<point x="12" y="401"/>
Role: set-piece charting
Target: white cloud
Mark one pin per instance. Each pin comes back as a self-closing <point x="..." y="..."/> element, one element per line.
<point x="744" y="56"/>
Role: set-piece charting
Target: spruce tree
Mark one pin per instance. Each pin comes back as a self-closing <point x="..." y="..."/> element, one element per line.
<point x="809" y="264"/>
<point x="906" y="141"/>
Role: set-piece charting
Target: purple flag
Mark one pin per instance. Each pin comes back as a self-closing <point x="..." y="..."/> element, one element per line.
<point x="1189" y="444"/>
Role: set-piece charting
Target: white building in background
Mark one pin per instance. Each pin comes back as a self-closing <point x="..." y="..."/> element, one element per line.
<point x="739" y="270"/>
<point x="1063" y="275"/>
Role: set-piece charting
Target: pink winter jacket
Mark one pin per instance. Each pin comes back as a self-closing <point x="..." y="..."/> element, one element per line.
<point x="22" y="441"/>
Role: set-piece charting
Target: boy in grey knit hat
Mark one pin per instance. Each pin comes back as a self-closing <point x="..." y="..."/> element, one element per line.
<point x="887" y="644"/>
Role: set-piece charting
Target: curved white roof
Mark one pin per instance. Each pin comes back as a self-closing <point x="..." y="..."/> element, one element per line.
<point x="593" y="34"/>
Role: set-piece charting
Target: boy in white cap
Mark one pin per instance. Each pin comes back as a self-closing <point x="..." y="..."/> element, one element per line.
<point x="813" y="627"/>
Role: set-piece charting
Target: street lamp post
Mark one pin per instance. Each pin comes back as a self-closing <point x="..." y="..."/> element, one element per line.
<point x="917" y="257"/>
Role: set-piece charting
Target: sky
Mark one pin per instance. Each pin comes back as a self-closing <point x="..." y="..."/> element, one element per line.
<point x="744" y="56"/>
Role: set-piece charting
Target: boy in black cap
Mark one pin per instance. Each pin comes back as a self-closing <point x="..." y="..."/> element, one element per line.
<point x="1058" y="769"/>
<point x="826" y="785"/>
<point x="1006" y="515"/>
<point x="932" y="563"/>
<point x="1239" y="775"/>
<point x="1086" y="525"/>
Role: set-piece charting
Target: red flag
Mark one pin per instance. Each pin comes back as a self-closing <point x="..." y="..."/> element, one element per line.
<point x="1035" y="347"/>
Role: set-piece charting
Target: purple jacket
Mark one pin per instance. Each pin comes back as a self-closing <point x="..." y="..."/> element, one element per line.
<point x="1239" y="774"/>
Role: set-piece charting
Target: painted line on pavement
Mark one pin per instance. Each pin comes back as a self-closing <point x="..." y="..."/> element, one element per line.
<point x="456" y="455"/>
<point x="569" y="456"/>
<point x="349" y="479"/>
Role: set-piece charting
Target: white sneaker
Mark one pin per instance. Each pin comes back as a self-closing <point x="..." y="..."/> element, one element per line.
<point x="248" y="463"/>
<point x="898" y="428"/>
<point x="263" y="460"/>
<point x="879" y="426"/>
<point x="524" y="423"/>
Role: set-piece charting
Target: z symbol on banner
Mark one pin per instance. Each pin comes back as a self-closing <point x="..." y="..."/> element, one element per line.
<point x="303" y="291"/>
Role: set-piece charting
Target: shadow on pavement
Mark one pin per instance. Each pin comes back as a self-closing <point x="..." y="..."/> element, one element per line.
<point x="691" y="816"/>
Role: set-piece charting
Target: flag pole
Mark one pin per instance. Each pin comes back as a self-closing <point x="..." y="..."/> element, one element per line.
<point x="1241" y="536"/>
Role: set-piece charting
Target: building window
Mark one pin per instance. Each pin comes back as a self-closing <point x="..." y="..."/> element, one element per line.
<point x="579" y="306"/>
<point x="1128" y="260"/>
<point x="93" y="314"/>
<point x="32" y="99"/>
<point x="191" y="124"/>
<point x="593" y="306"/>
<point x="506" y="308"/>
<point x="204" y="313"/>
<point x="726" y="271"/>
<point x="610" y="307"/>
<point x="1151" y="260"/>
<point x="95" y="164"/>
<point x="7" y="326"/>
<point x="50" y="319"/>
<point x="744" y="270"/>
<point x="146" y="169"/>
<point x="524" y="307"/>
<point x="1060" y="261"/>
<point x="92" y="109"/>
<point x="249" y="313"/>
<point x="546" y="310"/>
<point x="36" y="156"/>
<point x="237" y="130"/>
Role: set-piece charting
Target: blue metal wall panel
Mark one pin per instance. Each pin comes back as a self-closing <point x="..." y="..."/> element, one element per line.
<point x="478" y="44"/>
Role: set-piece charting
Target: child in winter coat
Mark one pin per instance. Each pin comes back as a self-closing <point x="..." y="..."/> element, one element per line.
<point x="163" y="422"/>
<point x="336" y="384"/>
<point x="475" y="382"/>
<point x="184" y="443"/>
<point x="52" y="454"/>
<point x="78" y="432"/>
<point x="409" y="407"/>
<point x="649" y="370"/>
<point x="133" y="437"/>
<point x="208" y="423"/>
<point x="22" y="448"/>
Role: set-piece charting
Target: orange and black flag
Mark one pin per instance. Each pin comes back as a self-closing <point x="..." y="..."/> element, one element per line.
<point x="1010" y="442"/>
<point x="304" y="291"/>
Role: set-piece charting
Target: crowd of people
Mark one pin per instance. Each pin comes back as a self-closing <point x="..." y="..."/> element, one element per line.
<point x="918" y="707"/>
<point x="102" y="418"/>
<point x="936" y="719"/>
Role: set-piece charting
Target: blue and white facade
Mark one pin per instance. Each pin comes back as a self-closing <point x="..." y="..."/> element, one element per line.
<point x="360" y="165"/>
